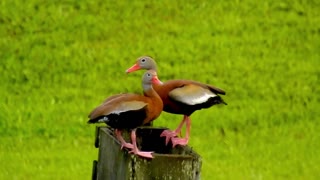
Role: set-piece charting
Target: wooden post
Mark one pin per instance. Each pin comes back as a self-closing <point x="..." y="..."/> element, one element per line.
<point x="168" y="163"/>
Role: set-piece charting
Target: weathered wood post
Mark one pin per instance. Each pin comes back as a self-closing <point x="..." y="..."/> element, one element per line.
<point x="168" y="163"/>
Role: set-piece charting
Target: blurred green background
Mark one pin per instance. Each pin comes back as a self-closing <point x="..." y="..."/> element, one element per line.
<point x="60" y="59"/>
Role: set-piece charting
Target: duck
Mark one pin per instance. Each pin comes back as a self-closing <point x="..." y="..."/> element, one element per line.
<point x="181" y="97"/>
<point x="129" y="111"/>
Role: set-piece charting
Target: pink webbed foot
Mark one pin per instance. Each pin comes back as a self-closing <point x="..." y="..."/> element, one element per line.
<point x="122" y="141"/>
<point x="135" y="149"/>
<point x="146" y="154"/>
<point x="173" y="134"/>
<point x="179" y="141"/>
<point x="183" y="141"/>
<point x="126" y="145"/>
<point x="168" y="134"/>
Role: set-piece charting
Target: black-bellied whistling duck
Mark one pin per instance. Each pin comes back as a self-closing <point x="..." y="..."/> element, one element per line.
<point x="180" y="97"/>
<point x="128" y="111"/>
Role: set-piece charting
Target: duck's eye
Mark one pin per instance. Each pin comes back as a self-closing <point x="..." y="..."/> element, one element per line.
<point x="143" y="60"/>
<point x="148" y="75"/>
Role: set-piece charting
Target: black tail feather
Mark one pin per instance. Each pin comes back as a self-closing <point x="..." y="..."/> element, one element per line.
<point x="91" y="121"/>
<point x="219" y="100"/>
<point x="99" y="119"/>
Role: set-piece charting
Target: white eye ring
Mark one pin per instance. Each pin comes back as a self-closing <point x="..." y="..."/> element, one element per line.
<point x="143" y="60"/>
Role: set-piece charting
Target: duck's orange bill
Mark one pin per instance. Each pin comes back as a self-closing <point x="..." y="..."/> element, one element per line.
<point x="135" y="67"/>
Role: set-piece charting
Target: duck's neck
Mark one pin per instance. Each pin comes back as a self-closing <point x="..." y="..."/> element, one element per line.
<point x="146" y="87"/>
<point x="150" y="92"/>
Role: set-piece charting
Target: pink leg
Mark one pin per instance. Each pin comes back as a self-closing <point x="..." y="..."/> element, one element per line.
<point x="170" y="134"/>
<point x="183" y="141"/>
<point x="135" y="149"/>
<point x="123" y="142"/>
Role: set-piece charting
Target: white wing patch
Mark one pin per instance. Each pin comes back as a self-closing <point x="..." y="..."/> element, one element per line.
<point x="191" y="94"/>
<point x="129" y="106"/>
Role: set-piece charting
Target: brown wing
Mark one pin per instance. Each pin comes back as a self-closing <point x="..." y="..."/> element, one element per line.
<point x="191" y="94"/>
<point x="116" y="96"/>
<point x="121" y="103"/>
<point x="212" y="88"/>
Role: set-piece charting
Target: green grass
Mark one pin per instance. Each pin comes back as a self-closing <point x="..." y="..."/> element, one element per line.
<point x="58" y="60"/>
